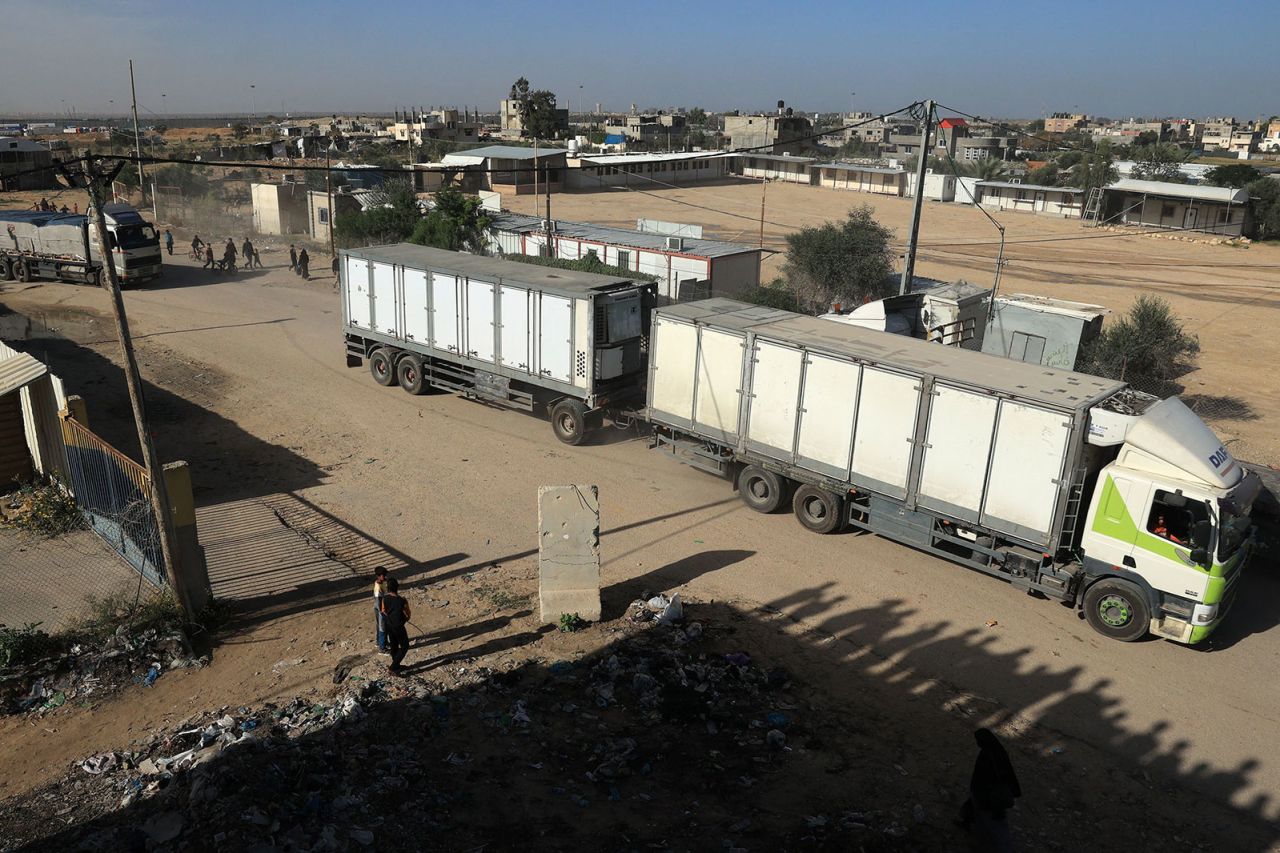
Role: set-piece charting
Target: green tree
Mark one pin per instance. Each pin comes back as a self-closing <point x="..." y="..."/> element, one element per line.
<point x="1159" y="162"/>
<point x="1147" y="347"/>
<point x="1044" y="176"/>
<point x="1147" y="137"/>
<point x="1264" y="202"/>
<point x="1236" y="175"/>
<point x="850" y="262"/>
<point x="456" y="222"/>
<point x="392" y="216"/>
<point x="240" y="130"/>
<point x="986" y="169"/>
<point x="1094" y="169"/>
<point x="537" y="110"/>
<point x="185" y="176"/>
<point x="697" y="116"/>
<point x="776" y="294"/>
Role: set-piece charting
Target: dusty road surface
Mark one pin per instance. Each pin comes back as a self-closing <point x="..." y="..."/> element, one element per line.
<point x="251" y="388"/>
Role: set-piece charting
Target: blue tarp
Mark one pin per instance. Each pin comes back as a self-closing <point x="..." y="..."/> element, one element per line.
<point x="615" y="138"/>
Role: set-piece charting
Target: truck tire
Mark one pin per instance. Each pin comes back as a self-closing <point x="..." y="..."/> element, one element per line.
<point x="818" y="509"/>
<point x="94" y="277"/>
<point x="21" y="271"/>
<point x="763" y="491"/>
<point x="1117" y="609"/>
<point x="381" y="366"/>
<point x="569" y="421"/>
<point x="6" y="271"/>
<point x="409" y="374"/>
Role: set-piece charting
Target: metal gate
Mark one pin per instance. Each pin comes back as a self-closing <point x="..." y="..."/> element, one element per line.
<point x="114" y="493"/>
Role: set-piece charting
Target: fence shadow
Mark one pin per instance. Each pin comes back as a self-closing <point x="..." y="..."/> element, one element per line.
<point x="654" y="739"/>
<point x="1220" y="408"/>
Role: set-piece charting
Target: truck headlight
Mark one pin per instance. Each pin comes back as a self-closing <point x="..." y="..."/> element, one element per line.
<point x="1203" y="614"/>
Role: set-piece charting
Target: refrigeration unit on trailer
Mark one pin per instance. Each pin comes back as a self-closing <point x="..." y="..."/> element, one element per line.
<point x="1067" y="485"/>
<point x="519" y="335"/>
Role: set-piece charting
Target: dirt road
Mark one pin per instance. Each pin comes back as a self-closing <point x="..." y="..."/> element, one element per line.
<point x="253" y="391"/>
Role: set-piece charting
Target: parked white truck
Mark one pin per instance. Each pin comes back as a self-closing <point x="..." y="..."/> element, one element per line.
<point x="518" y="335"/>
<point x="1064" y="484"/>
<point x="64" y="246"/>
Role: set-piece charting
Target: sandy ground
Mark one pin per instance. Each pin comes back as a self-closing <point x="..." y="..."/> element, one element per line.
<point x="249" y="386"/>
<point x="1228" y="296"/>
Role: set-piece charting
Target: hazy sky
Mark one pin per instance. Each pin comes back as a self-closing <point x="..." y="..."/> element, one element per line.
<point x="1009" y="59"/>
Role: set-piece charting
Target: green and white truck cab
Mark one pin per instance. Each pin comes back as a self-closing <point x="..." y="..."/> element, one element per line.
<point x="1169" y="519"/>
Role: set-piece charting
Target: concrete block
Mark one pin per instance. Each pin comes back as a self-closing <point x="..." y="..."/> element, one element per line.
<point x="568" y="552"/>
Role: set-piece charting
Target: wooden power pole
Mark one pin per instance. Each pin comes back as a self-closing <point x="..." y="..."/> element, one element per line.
<point x="96" y="181"/>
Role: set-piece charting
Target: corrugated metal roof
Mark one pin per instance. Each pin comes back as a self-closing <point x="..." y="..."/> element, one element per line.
<point x="1037" y="187"/>
<point x="783" y="158"/>
<point x="1222" y="195"/>
<point x="19" y="370"/>
<point x="615" y="159"/>
<point x="625" y="237"/>
<point x="856" y="167"/>
<point x="1059" y="389"/>
<point x="508" y="152"/>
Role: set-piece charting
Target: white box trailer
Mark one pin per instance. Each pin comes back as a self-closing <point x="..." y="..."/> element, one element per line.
<point x="517" y="334"/>
<point x="1062" y="483"/>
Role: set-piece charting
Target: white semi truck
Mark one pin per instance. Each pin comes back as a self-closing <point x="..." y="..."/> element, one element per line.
<point x="64" y="246"/>
<point x="1066" y="485"/>
<point x="517" y="335"/>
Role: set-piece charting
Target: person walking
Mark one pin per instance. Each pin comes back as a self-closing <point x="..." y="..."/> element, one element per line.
<point x="257" y="259"/>
<point x="303" y="262"/>
<point x="379" y="590"/>
<point x="168" y="241"/>
<point x="334" y="266"/>
<point x="293" y="258"/>
<point x="246" y="251"/>
<point x="395" y="615"/>
<point x="993" y="789"/>
<point x="208" y="256"/>
<point x="229" y="256"/>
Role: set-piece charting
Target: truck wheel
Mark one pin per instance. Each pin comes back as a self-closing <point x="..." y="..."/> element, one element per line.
<point x="761" y="490"/>
<point x="818" y="509"/>
<point x="21" y="271"/>
<point x="94" y="277"/>
<point x="6" y="272"/>
<point x="1117" y="609"/>
<point x="409" y="373"/>
<point x="384" y="372"/>
<point x="569" y="421"/>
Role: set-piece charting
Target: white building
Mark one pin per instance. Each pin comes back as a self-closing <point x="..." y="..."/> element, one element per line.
<point x="1066" y="202"/>
<point x="774" y="167"/>
<point x="646" y="171"/>
<point x="864" y="178"/>
<point x="1215" y="210"/>
<point x="686" y="268"/>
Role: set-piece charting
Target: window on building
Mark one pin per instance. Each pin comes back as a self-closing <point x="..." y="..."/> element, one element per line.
<point x="1168" y="211"/>
<point x="1028" y="348"/>
<point x="323" y="213"/>
<point x="1223" y="214"/>
<point x="624" y="260"/>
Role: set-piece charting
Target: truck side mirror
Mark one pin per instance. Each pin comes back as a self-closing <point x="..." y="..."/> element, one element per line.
<point x="1200" y="557"/>
<point x="1201" y="534"/>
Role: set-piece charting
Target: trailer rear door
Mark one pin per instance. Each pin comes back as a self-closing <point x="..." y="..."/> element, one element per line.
<point x="674" y="352"/>
<point x="417" y="313"/>
<point x="957" y="449"/>
<point x="1026" y="471"/>
<point x="358" y="312"/>
<point x="444" y="311"/>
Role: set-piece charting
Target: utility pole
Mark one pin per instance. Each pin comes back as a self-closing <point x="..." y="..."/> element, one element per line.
<point x="551" y="225"/>
<point x="909" y="263"/>
<point x="137" y="138"/>
<point x="764" y="182"/>
<point x="95" y="181"/>
<point x="328" y="188"/>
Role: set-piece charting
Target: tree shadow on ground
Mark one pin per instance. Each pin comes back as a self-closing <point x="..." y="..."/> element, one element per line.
<point x="660" y="738"/>
<point x="1216" y="407"/>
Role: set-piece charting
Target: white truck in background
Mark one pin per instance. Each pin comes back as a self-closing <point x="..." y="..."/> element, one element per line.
<point x="64" y="246"/>
<point x="1066" y="485"/>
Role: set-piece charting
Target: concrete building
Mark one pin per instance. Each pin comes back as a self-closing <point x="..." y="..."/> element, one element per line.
<point x="1041" y="330"/>
<point x="773" y="167"/>
<point x="1065" y="122"/>
<point x="448" y="125"/>
<point x="279" y="209"/>
<point x="514" y="169"/>
<point x="666" y="131"/>
<point x="870" y="130"/>
<point x="686" y="268"/>
<point x="319" y="215"/>
<point x="1066" y="202"/>
<point x="785" y="132"/>
<point x="1213" y="210"/>
<point x="862" y="177"/>
<point x="511" y="123"/>
<point x="1217" y="133"/>
<point x="19" y="155"/>
<point x="647" y="171"/>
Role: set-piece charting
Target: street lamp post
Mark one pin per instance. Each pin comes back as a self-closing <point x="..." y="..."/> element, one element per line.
<point x="253" y="95"/>
<point x="328" y="186"/>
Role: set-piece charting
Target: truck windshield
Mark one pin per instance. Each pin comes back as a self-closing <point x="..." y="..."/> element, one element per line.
<point x="135" y="236"/>
<point x="1234" y="530"/>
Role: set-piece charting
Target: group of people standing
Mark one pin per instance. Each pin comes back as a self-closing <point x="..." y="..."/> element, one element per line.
<point x="300" y="262"/>
<point x="201" y="249"/>
<point x="391" y="614"/>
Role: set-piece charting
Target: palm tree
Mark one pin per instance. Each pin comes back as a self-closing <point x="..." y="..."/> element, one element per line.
<point x="985" y="169"/>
